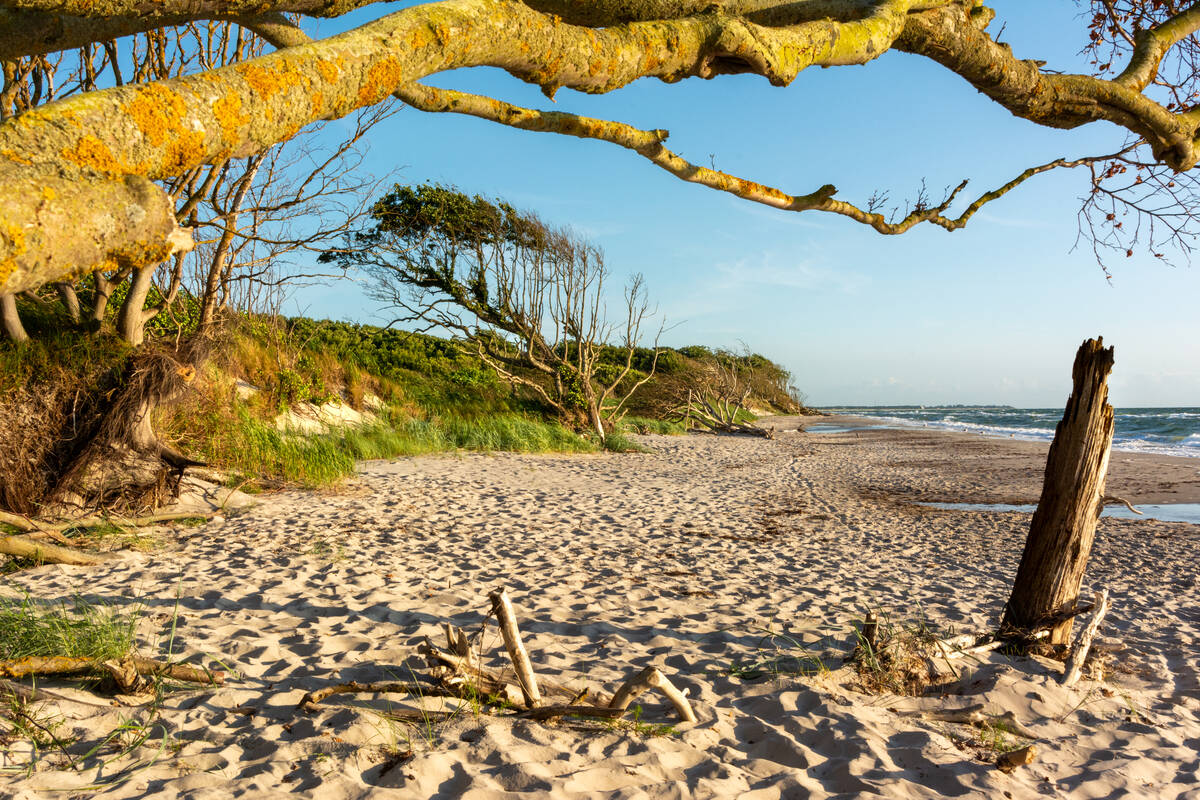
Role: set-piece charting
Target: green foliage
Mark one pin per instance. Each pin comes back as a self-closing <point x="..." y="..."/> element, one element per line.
<point x="644" y="425"/>
<point x="81" y="630"/>
<point x="251" y="447"/>
<point x="617" y="442"/>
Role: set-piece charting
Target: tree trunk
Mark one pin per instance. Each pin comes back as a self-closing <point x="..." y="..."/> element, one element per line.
<point x="1064" y="524"/>
<point x="131" y="321"/>
<point x="11" y="320"/>
<point x="70" y="301"/>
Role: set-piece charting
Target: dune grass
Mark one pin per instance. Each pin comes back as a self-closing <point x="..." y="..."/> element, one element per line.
<point x="645" y="425"/>
<point x="84" y="630"/>
<point x="250" y="447"/>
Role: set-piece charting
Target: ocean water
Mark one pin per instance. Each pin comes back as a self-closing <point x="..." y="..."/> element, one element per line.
<point x="1169" y="431"/>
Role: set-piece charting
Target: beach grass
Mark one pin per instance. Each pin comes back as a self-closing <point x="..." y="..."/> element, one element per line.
<point x="29" y="629"/>
<point x="248" y="446"/>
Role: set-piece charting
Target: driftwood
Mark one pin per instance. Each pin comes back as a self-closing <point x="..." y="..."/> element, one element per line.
<point x="25" y="547"/>
<point x="457" y="672"/>
<point x="1079" y="652"/>
<point x="507" y="619"/>
<point x="311" y="700"/>
<point x="1064" y="524"/>
<point x="652" y="678"/>
<point x="28" y="546"/>
<point x="719" y="414"/>
<point x="553" y="712"/>
<point x="69" y="665"/>
<point x="974" y="715"/>
<point x="1113" y="500"/>
<point x="29" y="524"/>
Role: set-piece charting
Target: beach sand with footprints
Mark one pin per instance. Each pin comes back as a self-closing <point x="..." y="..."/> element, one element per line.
<point x="739" y="566"/>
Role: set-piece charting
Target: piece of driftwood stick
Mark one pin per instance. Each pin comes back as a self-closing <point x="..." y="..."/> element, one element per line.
<point x="987" y="647"/>
<point x="1110" y="500"/>
<point x="67" y="665"/>
<point x="551" y="712"/>
<point x="974" y="715"/>
<point x="29" y="524"/>
<point x="502" y="608"/>
<point x="314" y="698"/>
<point x="24" y="547"/>
<point x="652" y="678"/>
<point x="1079" y="652"/>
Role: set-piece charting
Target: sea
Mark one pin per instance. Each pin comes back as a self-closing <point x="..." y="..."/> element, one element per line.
<point x="1167" y="431"/>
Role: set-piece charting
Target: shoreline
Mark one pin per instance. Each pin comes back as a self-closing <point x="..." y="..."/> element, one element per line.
<point x="991" y="469"/>
<point x="1122" y="443"/>
<point x="730" y="563"/>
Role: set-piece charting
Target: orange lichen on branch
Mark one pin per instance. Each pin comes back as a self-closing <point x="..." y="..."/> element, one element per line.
<point x="329" y="72"/>
<point x="381" y="80"/>
<point x="228" y="111"/>
<point x="91" y="153"/>
<point x="160" y="115"/>
<point x="266" y="82"/>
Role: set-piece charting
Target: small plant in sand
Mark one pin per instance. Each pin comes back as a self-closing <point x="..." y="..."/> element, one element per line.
<point x="893" y="657"/>
<point x="776" y="656"/>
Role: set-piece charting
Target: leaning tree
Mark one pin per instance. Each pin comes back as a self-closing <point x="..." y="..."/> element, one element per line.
<point x="77" y="177"/>
<point x="528" y="297"/>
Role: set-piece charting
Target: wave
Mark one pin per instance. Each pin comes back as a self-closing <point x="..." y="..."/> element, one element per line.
<point x="1174" y="432"/>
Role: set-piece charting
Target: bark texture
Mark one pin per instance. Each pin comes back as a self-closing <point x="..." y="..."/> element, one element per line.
<point x="1064" y="524"/>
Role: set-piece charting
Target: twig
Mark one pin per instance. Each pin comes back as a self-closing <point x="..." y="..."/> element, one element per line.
<point x="1109" y="500"/>
<point x="313" y="698"/>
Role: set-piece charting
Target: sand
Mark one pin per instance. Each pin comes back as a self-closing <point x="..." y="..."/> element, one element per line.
<point x="728" y="562"/>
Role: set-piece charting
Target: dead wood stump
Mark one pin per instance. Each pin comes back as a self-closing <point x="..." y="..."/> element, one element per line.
<point x="1064" y="524"/>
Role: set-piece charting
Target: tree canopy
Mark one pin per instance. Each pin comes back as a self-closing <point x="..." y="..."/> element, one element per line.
<point x="79" y="177"/>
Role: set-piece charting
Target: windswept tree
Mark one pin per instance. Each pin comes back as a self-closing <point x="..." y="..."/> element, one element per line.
<point x="77" y="191"/>
<point x="530" y="298"/>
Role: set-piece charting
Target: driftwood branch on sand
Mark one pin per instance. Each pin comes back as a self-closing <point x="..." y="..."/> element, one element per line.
<point x="69" y="665"/>
<point x="456" y="671"/>
<point x="30" y="545"/>
<point x="1083" y="644"/>
<point x="26" y="547"/>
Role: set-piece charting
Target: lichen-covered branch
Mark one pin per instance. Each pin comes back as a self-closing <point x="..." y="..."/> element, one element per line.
<point x="97" y="150"/>
<point x="649" y="144"/>
<point x="955" y="38"/>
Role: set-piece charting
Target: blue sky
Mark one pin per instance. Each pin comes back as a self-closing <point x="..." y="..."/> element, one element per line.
<point x="989" y="314"/>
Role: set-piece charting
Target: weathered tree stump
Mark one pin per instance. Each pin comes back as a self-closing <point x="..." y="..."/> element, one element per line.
<point x="1064" y="524"/>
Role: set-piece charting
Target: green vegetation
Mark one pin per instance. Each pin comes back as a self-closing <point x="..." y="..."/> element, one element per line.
<point x="417" y="393"/>
<point x="29" y="629"/>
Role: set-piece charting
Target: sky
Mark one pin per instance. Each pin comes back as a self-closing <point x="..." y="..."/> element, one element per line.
<point x="991" y="314"/>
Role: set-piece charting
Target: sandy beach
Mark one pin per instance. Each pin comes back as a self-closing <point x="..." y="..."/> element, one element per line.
<point x="736" y="565"/>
